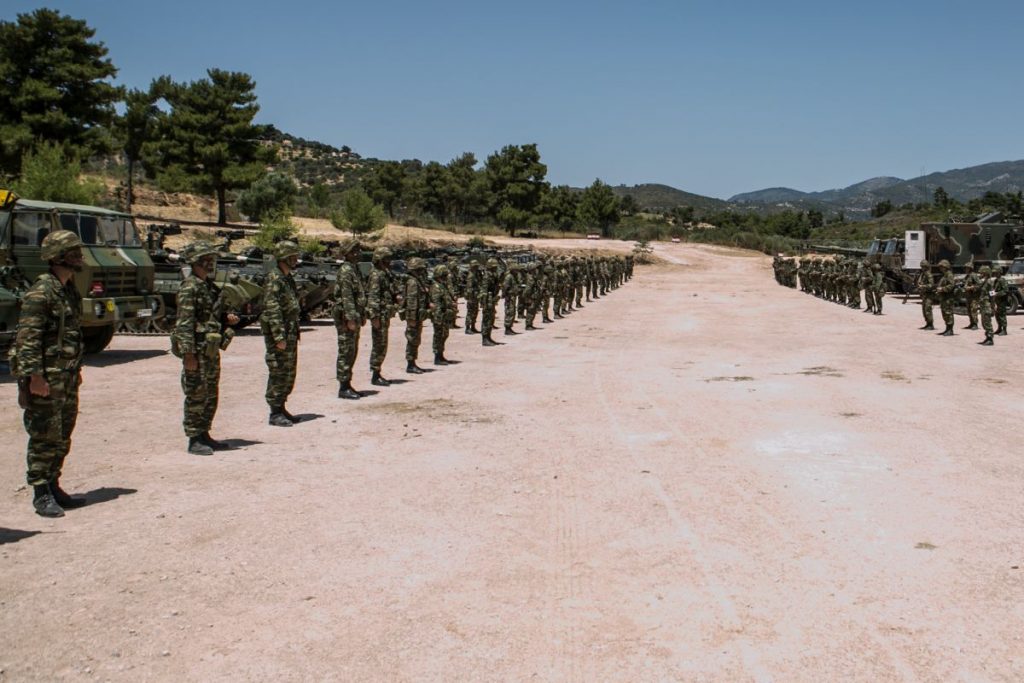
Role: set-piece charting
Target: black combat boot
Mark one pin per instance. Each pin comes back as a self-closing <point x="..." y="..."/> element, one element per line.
<point x="988" y="341"/>
<point x="546" y="319"/>
<point x="1001" y="331"/>
<point x="291" y="418"/>
<point x="197" y="447"/>
<point x="439" y="359"/>
<point x="66" y="501"/>
<point x="927" y="326"/>
<point x="972" y="326"/>
<point x="378" y="381"/>
<point x="413" y="369"/>
<point x="530" y="326"/>
<point x="948" y="332"/>
<point x="558" y="315"/>
<point x="510" y="331"/>
<point x="278" y="418"/>
<point x="345" y="390"/>
<point x="487" y="341"/>
<point x="469" y="330"/>
<point x="44" y="502"/>
<point x="213" y="443"/>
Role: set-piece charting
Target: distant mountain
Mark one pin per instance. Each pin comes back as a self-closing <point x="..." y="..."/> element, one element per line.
<point x="771" y="195"/>
<point x="657" y="197"/>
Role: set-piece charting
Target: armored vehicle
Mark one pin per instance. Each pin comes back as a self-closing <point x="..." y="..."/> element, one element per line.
<point x="116" y="283"/>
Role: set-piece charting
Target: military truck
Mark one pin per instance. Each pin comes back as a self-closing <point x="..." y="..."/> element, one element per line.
<point x="116" y="282"/>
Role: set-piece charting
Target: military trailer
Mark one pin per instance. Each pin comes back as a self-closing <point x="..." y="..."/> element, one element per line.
<point x="989" y="239"/>
<point x="116" y="282"/>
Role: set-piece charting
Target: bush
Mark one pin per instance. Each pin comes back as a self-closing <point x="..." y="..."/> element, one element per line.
<point x="271" y="195"/>
<point x="359" y="214"/>
<point x="49" y="176"/>
<point x="311" y="246"/>
<point x="273" y="230"/>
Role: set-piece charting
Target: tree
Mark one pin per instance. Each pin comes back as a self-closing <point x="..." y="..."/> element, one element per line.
<point x="941" y="197"/>
<point x="48" y="175"/>
<point x="682" y="215"/>
<point x="319" y="198"/>
<point x="599" y="207"/>
<point x="274" y="229"/>
<point x="815" y="218"/>
<point x="136" y="128"/>
<point x="358" y="213"/>
<point x="385" y="185"/>
<point x="208" y="142"/>
<point x="465" y="192"/>
<point x="272" y="194"/>
<point x="54" y="80"/>
<point x="516" y="179"/>
<point x="628" y="206"/>
<point x="881" y="208"/>
<point x="559" y="207"/>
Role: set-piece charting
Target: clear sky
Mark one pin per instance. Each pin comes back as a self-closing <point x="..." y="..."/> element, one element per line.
<point x="715" y="98"/>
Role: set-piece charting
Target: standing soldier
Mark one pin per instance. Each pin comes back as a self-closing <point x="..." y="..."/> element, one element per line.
<point x="926" y="287"/>
<point x="985" y="305"/>
<point x="417" y="308"/>
<point x="472" y="286"/>
<point x="197" y="340"/>
<point x="381" y="302"/>
<point x="47" y="359"/>
<point x="442" y="306"/>
<point x="509" y="290"/>
<point x="349" y="316"/>
<point x="946" y="289"/>
<point x="488" y="295"/>
<point x="877" y="287"/>
<point x="454" y="289"/>
<point x="530" y="294"/>
<point x="972" y="293"/>
<point x="279" y="323"/>
<point x="1000" y="296"/>
<point x="866" y="275"/>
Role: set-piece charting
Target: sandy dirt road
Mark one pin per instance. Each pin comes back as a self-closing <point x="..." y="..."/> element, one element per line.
<point x="701" y="477"/>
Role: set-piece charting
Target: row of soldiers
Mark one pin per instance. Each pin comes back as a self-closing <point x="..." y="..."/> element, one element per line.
<point x="48" y="349"/>
<point x="985" y="293"/>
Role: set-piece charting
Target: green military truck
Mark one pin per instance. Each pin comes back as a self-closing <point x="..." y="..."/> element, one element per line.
<point x="116" y="282"/>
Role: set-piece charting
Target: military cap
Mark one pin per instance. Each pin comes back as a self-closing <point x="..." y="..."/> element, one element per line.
<point x="441" y="271"/>
<point x="474" y="265"/>
<point x="876" y="266"/>
<point x="381" y="254"/>
<point x="58" y="243"/>
<point x="969" y="265"/>
<point x="943" y="263"/>
<point x="416" y="263"/>
<point x="347" y="245"/>
<point x="925" y="264"/>
<point x="282" y="250"/>
<point x="196" y="251"/>
<point x="492" y="263"/>
<point x="984" y="270"/>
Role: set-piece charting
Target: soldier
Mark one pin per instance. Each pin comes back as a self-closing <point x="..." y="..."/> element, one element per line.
<point x="946" y="289"/>
<point x="985" y="304"/>
<point x="197" y="340"/>
<point x="1000" y="295"/>
<point x="488" y="295"/>
<point x="926" y="287"/>
<point x="381" y="303"/>
<point x="349" y="316"/>
<point x="877" y="287"/>
<point x="47" y="359"/>
<point x="454" y="285"/>
<point x="546" y="283"/>
<point x="865" y="274"/>
<point x="417" y="308"/>
<point x="530" y="294"/>
<point x="509" y="292"/>
<point x="472" y="286"/>
<point x="442" y="302"/>
<point x="279" y="323"/>
<point x="972" y="294"/>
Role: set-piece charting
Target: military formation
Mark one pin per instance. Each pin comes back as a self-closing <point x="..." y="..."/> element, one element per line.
<point x="984" y="294"/>
<point x="47" y="353"/>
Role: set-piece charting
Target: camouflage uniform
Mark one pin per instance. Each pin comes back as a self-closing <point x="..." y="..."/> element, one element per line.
<point x="509" y="290"/>
<point x="472" y="285"/>
<point x="417" y="308"/>
<point x="442" y="300"/>
<point x="349" y="306"/>
<point x="877" y="287"/>
<point x="488" y="295"/>
<point x="279" y="323"/>
<point x="946" y="288"/>
<point x="381" y="302"/>
<point x="197" y="331"/>
<point x="999" y="299"/>
<point x="985" y="304"/>
<point x="926" y="287"/>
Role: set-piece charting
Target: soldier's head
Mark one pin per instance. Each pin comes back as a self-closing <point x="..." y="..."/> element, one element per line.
<point x="492" y="264"/>
<point x="348" y="249"/>
<point x="474" y="265"/>
<point x="200" y="254"/>
<point x="996" y="270"/>
<point x="416" y="265"/>
<point x="984" y="271"/>
<point x="441" y="272"/>
<point x="969" y="266"/>
<point x="287" y="252"/>
<point x="63" y="248"/>
<point x="925" y="265"/>
<point x="382" y="256"/>
<point x="876" y="267"/>
<point x="943" y="264"/>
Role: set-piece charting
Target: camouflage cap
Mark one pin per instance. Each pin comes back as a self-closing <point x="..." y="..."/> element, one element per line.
<point x="196" y="251"/>
<point x="492" y="263"/>
<point x="282" y="250"/>
<point x="876" y="266"/>
<point x="347" y="246"/>
<point x="943" y="263"/>
<point x="925" y="264"/>
<point x="416" y="263"/>
<point x="969" y="265"/>
<point x="381" y="254"/>
<point x="984" y="270"/>
<point x="473" y="265"/>
<point x="59" y="242"/>
<point x="441" y="271"/>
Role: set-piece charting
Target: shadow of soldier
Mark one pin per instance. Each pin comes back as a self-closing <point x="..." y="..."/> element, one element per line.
<point x="15" y="535"/>
<point x="106" y="494"/>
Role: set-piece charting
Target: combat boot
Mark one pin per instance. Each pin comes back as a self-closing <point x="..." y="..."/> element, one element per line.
<point x="66" y="501"/>
<point x="439" y="359"/>
<point x="413" y="369"/>
<point x="44" y="502"/>
<point x="345" y="390"/>
<point x="972" y="326"/>
<point x="197" y="447"/>
<point x="487" y="341"/>
<point x="291" y="418"/>
<point x="988" y="341"/>
<point x="278" y="419"/>
<point x="546" y="319"/>
<point x="531" y="326"/>
<point x="558" y="315"/>
<point x="378" y="381"/>
<point x="510" y="331"/>
<point x="948" y="332"/>
<point x="927" y="326"/>
<point x="213" y="443"/>
<point x="1001" y="331"/>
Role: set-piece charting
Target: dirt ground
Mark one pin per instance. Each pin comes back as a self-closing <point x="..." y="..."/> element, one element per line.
<point x="701" y="477"/>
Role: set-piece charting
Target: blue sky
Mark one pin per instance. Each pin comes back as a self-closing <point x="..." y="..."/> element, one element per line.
<point x="715" y="98"/>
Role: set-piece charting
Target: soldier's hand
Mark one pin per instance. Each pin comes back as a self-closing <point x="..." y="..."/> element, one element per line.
<point x="38" y="386"/>
<point x="375" y="324"/>
<point x="351" y="326"/>
<point x="233" y="319"/>
<point x="191" y="362"/>
<point x="280" y="346"/>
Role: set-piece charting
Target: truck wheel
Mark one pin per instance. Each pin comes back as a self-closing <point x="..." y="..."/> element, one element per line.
<point x="1012" y="304"/>
<point x="96" y="339"/>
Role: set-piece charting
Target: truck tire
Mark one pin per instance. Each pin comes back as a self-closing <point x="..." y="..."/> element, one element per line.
<point x="1012" y="303"/>
<point x="95" y="339"/>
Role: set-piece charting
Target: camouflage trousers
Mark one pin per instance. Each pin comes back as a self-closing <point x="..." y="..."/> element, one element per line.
<point x="579" y="295"/>
<point x="869" y="298"/>
<point x="985" y="311"/>
<point x="946" y="308"/>
<point x="379" y="344"/>
<point x="1000" y="312"/>
<point x="348" y="349"/>
<point x="487" y="315"/>
<point x="413" y="335"/>
<point x="556" y="302"/>
<point x="201" y="395"/>
<point x="510" y="312"/>
<point x="281" y="367"/>
<point x="49" y="422"/>
<point x="472" y="307"/>
<point x="973" y="303"/>
<point x="545" y="306"/>
<point x="441" y="331"/>
<point x="926" y="310"/>
<point x="878" y="295"/>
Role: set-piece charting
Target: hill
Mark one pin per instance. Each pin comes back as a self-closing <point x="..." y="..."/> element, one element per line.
<point x="657" y="197"/>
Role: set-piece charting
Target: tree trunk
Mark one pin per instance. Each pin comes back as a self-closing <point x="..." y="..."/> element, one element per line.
<point x="129" y="194"/>
<point x="222" y="214"/>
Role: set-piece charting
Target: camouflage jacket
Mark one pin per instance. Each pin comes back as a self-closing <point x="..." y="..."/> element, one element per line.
<point x="1000" y="288"/>
<point x="349" y="298"/>
<point x="972" y="285"/>
<point x="926" y="282"/>
<point x="489" y="285"/>
<point x="947" y="283"/>
<point x="280" y="317"/>
<point x="471" y="284"/>
<point x="49" y="336"/>
<point x="416" y="300"/>
<point x="380" y="294"/>
<point x="509" y="285"/>
<point x="197" y="314"/>
<point x="441" y="299"/>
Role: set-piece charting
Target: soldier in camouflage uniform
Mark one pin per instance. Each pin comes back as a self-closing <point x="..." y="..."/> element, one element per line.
<point x="488" y="295"/>
<point x="279" y="323"/>
<point x="197" y="339"/>
<point x="985" y="304"/>
<point x="1000" y="299"/>
<point x="926" y="287"/>
<point x="510" y="292"/>
<point x="381" y="302"/>
<point x="530" y="294"/>
<point x="47" y="359"/>
<point x="472" y="287"/>
<point x="946" y="290"/>
<point x="454" y="288"/>
<point x="877" y="287"/>
<point x="972" y="295"/>
<point x="349" y="316"/>
<point x="546" y="278"/>
<point x="442" y="302"/>
<point x="417" y="308"/>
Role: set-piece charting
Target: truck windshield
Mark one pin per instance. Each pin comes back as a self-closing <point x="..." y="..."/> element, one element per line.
<point x="108" y="230"/>
<point x="1016" y="268"/>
